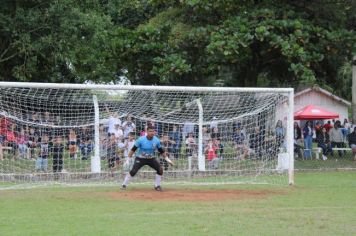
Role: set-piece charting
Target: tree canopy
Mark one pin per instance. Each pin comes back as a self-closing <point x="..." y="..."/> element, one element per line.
<point x="180" y="42"/>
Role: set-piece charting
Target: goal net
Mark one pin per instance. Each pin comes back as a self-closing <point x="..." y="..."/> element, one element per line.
<point x="75" y="134"/>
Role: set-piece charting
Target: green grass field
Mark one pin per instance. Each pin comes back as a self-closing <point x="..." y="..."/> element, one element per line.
<point x="321" y="203"/>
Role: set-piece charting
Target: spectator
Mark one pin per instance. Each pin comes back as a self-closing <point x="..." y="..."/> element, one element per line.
<point x="328" y="126"/>
<point x="118" y="132"/>
<point x="175" y="136"/>
<point x="210" y="152"/>
<point x="2" y="139"/>
<point x="336" y="137"/>
<point x="256" y="140"/>
<point x="352" y="142"/>
<point x="11" y="140"/>
<point x="308" y="139"/>
<point x="346" y="129"/>
<point x="33" y="138"/>
<point x="214" y="123"/>
<point x="206" y="136"/>
<point x="188" y="128"/>
<point x="237" y="124"/>
<point x="120" y="149"/>
<point x="57" y="151"/>
<point x="298" y="150"/>
<point x="113" y="122"/>
<point x="58" y="120"/>
<point x="158" y="128"/>
<point x="215" y="134"/>
<point x="239" y="143"/>
<point x="47" y="119"/>
<point x="102" y="141"/>
<point x="151" y="123"/>
<point x="85" y="140"/>
<point x="220" y="147"/>
<point x="323" y="140"/>
<point x="3" y="127"/>
<point x="129" y="143"/>
<point x="317" y="128"/>
<point x="333" y="122"/>
<point x="270" y="143"/>
<point x="112" y="153"/>
<point x="22" y="141"/>
<point x="128" y="126"/>
<point x="34" y="117"/>
<point x="297" y="133"/>
<point x="280" y="133"/>
<point x="167" y="146"/>
<point x="72" y="144"/>
<point x="42" y="160"/>
<point x="143" y="132"/>
<point x="191" y="145"/>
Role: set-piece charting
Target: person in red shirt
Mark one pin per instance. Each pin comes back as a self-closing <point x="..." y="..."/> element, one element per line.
<point x="11" y="140"/>
<point x="328" y="126"/>
<point x="211" y="155"/>
<point x="2" y="135"/>
<point x="4" y="128"/>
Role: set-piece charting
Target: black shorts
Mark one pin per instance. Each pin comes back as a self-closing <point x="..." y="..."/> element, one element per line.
<point x="2" y="139"/>
<point x="140" y="162"/>
<point x="57" y="164"/>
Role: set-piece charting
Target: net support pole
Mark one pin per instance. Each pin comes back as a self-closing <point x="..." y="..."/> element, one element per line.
<point x="201" y="158"/>
<point x="95" y="160"/>
<point x="290" y="137"/>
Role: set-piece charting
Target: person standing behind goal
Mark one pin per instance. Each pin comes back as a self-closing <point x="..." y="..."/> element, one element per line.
<point x="146" y="146"/>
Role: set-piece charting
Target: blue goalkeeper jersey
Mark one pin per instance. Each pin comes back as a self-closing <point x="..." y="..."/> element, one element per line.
<point x="146" y="147"/>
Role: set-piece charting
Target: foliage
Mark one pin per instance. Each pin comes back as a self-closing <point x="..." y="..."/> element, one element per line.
<point x="179" y="42"/>
<point x="54" y="41"/>
<point x="202" y="41"/>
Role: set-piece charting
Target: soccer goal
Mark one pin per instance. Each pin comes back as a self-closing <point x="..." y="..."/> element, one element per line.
<point x="80" y="134"/>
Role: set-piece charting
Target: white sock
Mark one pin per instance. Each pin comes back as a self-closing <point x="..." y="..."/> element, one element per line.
<point x="127" y="179"/>
<point x="158" y="180"/>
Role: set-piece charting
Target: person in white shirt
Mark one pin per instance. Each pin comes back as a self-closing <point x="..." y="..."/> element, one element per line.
<point x="213" y="123"/>
<point x="118" y="132"/>
<point x="336" y="137"/>
<point x="128" y="126"/>
<point x="113" y="122"/>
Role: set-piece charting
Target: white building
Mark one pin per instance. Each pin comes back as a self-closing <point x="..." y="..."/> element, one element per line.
<point x="324" y="99"/>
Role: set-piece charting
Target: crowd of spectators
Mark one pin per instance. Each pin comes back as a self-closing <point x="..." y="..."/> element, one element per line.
<point x="39" y="139"/>
<point x="332" y="134"/>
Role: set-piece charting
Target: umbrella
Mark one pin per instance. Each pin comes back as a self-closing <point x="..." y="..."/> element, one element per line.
<point x="312" y="112"/>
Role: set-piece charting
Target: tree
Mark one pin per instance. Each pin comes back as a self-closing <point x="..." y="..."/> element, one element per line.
<point x="54" y="41"/>
<point x="247" y="43"/>
<point x="179" y="42"/>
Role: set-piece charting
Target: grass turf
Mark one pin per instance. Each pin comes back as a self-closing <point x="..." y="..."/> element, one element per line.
<point x="320" y="203"/>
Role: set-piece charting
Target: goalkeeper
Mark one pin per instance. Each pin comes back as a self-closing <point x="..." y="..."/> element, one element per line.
<point x="146" y="146"/>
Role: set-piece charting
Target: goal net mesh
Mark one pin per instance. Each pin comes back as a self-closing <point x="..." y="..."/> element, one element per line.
<point x="83" y="135"/>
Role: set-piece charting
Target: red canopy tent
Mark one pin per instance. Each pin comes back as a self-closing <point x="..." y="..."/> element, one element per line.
<point x="312" y="112"/>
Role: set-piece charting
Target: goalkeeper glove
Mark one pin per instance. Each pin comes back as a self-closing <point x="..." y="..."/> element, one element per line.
<point x="169" y="161"/>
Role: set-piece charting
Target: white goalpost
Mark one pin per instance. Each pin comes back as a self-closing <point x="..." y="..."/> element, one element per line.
<point x="80" y="134"/>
